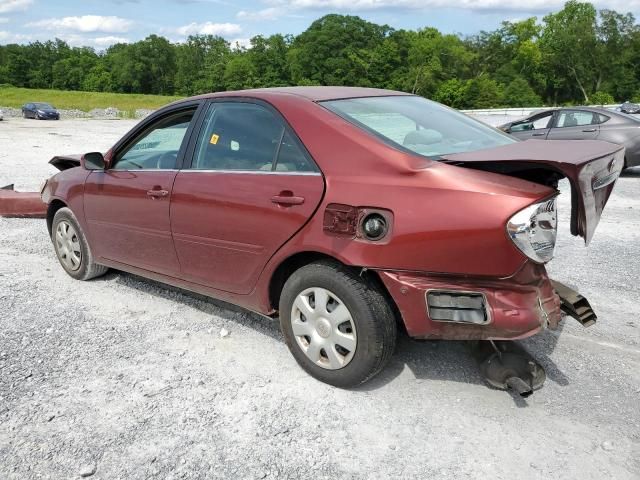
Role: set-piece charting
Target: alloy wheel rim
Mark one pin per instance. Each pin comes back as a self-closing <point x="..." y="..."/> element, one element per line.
<point x="68" y="245"/>
<point x="324" y="328"/>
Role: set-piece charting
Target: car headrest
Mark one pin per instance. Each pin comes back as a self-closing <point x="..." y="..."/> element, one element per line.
<point x="422" y="137"/>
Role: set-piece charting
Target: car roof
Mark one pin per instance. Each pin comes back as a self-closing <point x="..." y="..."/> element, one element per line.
<point x="315" y="93"/>
<point x="588" y="109"/>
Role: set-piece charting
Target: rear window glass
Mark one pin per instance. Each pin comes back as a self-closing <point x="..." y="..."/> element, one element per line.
<point x="418" y="125"/>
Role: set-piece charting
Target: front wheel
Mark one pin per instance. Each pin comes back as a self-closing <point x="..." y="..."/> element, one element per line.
<point x="339" y="328"/>
<point x="71" y="247"/>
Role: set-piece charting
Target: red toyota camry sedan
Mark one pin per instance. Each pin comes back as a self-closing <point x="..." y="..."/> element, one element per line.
<point x="348" y="212"/>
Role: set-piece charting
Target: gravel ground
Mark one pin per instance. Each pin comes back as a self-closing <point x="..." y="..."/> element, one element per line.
<point x="121" y="377"/>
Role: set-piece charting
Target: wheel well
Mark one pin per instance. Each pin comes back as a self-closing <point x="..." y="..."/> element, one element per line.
<point x="299" y="260"/>
<point x="286" y="268"/>
<point x="53" y="207"/>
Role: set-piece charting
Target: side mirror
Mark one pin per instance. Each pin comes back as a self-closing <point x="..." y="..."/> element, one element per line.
<point x="93" y="161"/>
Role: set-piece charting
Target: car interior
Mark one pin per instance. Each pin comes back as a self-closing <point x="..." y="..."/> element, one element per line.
<point x="245" y="137"/>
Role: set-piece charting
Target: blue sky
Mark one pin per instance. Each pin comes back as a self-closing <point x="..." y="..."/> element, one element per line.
<point x="99" y="23"/>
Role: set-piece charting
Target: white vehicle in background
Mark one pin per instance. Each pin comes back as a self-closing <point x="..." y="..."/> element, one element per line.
<point x="1" y="117"/>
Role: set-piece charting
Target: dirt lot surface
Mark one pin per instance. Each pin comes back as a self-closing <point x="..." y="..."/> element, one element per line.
<point x="124" y="378"/>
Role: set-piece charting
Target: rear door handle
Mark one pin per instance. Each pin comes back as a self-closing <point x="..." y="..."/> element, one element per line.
<point x="589" y="130"/>
<point x="287" y="198"/>
<point x="157" y="193"/>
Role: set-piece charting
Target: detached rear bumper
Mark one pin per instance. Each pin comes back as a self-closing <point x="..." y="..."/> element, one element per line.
<point x="21" y="204"/>
<point x="516" y="307"/>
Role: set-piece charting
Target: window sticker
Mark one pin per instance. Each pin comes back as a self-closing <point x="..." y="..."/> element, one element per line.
<point x="235" y="146"/>
<point x="214" y="139"/>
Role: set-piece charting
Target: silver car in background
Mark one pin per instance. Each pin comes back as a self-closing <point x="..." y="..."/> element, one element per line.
<point x="582" y="123"/>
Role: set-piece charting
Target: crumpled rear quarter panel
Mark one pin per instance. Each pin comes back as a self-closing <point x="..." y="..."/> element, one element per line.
<point x="519" y="306"/>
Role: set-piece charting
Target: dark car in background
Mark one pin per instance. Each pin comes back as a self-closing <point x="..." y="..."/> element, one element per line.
<point x="628" y="107"/>
<point x="40" y="111"/>
<point x="581" y="123"/>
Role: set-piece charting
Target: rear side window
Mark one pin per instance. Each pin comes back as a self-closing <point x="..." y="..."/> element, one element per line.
<point x="576" y="119"/>
<point x="240" y="136"/>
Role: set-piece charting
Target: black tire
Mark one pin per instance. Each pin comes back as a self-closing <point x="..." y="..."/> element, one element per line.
<point x="370" y="311"/>
<point x="86" y="268"/>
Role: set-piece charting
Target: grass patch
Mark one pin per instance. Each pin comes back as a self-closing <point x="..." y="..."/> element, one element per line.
<point x="85" y="101"/>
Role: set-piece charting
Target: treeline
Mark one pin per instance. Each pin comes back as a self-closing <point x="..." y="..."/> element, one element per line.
<point x="578" y="55"/>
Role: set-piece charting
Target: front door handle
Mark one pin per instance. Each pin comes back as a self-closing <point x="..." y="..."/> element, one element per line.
<point x="287" y="198"/>
<point x="587" y="130"/>
<point x="157" y="193"/>
<point x="538" y="134"/>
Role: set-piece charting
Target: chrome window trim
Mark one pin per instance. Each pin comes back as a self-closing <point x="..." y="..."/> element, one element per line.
<point x="259" y="172"/>
<point x="190" y="170"/>
<point x="142" y="170"/>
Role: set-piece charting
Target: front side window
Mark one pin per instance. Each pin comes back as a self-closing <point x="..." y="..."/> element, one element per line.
<point x="240" y="136"/>
<point x="575" y="119"/>
<point x="418" y="125"/>
<point x="535" y="123"/>
<point x="542" y="122"/>
<point x="158" y="146"/>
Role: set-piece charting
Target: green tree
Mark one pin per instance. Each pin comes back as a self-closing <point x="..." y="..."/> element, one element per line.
<point x="520" y="94"/>
<point x="333" y="51"/>
<point x="569" y="41"/>
<point x="602" y="98"/>
<point x="240" y="72"/>
<point x="483" y="92"/>
<point x="269" y="58"/>
<point x="452" y="93"/>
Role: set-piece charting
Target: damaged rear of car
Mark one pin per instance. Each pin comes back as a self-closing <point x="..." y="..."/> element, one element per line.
<point x="510" y="295"/>
<point x="487" y="213"/>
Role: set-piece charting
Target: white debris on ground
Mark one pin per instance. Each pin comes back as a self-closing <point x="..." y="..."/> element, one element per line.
<point x="121" y="377"/>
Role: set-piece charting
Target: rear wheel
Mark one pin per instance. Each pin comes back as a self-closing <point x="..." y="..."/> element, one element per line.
<point x="339" y="328"/>
<point x="71" y="247"/>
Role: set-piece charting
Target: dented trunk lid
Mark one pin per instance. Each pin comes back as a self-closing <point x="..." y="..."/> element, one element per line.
<point x="591" y="166"/>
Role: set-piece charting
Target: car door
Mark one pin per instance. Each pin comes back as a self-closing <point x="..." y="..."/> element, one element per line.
<point x="574" y="125"/>
<point x="250" y="187"/>
<point x="127" y="205"/>
<point x="536" y="126"/>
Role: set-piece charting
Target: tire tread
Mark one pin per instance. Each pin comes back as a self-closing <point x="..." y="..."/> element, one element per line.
<point x="381" y="319"/>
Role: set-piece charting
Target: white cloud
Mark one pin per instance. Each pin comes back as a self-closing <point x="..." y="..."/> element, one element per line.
<point x="109" y="40"/>
<point x="476" y="5"/>
<point x="85" y="23"/>
<point x="7" y="6"/>
<point x="209" y="28"/>
<point x="10" y="37"/>
<point x="241" y="42"/>
<point x="270" y="13"/>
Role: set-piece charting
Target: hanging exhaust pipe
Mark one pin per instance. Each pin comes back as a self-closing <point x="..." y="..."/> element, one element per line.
<point x="519" y="386"/>
<point x="507" y="366"/>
